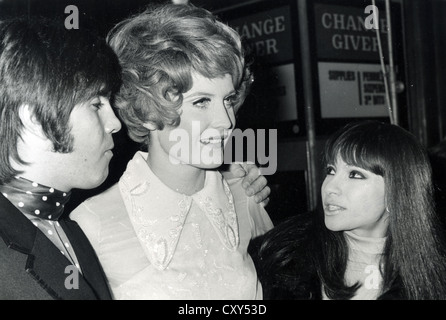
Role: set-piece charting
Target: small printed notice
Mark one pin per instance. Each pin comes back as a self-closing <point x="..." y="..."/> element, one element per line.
<point x="351" y="90"/>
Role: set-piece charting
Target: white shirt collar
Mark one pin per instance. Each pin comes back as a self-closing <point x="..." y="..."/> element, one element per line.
<point x="158" y="213"/>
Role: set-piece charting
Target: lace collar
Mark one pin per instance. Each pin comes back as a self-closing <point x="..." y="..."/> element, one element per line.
<point x="158" y="213"/>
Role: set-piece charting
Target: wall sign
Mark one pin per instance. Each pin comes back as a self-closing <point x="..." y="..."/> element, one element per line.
<point x="341" y="33"/>
<point x="351" y="90"/>
<point x="268" y="34"/>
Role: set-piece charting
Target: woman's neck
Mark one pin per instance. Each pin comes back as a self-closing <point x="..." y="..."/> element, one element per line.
<point x="372" y="245"/>
<point x="181" y="178"/>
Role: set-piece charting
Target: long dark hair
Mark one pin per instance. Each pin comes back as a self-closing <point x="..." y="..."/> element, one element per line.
<point x="413" y="253"/>
<point x="413" y="259"/>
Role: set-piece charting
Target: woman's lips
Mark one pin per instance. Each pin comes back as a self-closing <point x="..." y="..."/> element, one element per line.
<point x="330" y="209"/>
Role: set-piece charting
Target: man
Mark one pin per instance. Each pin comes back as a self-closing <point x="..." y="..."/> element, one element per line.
<point x="56" y="135"/>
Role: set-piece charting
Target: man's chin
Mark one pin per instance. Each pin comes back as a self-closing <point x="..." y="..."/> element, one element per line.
<point x="94" y="182"/>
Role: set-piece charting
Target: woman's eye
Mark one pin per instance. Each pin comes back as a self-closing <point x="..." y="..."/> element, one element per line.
<point x="329" y="170"/>
<point x="201" y="103"/>
<point x="356" y="175"/>
<point x="230" y="101"/>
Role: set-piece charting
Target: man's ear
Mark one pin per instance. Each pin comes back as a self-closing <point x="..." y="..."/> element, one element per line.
<point x="30" y="122"/>
<point x="150" y="125"/>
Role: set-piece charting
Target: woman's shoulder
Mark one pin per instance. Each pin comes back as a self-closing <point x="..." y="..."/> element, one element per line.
<point x="289" y="236"/>
<point x="283" y="259"/>
<point x="99" y="204"/>
<point x="91" y="214"/>
<point x="246" y="207"/>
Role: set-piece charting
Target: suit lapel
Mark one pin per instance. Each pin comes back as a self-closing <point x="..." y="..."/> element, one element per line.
<point x="45" y="263"/>
<point x="91" y="268"/>
<point x="55" y="273"/>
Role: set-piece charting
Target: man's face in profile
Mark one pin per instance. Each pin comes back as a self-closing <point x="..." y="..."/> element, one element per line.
<point x="92" y="125"/>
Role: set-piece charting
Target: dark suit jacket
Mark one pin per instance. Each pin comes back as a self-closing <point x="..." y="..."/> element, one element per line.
<point x="31" y="266"/>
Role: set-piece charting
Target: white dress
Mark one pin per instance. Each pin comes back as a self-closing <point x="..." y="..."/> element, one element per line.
<point x="155" y="243"/>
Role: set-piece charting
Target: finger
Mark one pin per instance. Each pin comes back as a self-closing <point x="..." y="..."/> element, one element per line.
<point x="248" y="165"/>
<point x="265" y="202"/>
<point x="252" y="175"/>
<point x="237" y="169"/>
<point x="256" y="186"/>
<point x="262" y="197"/>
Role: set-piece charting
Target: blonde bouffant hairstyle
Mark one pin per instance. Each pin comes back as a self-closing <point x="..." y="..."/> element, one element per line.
<point x="159" y="49"/>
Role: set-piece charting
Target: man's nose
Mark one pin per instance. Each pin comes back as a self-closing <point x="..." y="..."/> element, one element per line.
<point x="111" y="122"/>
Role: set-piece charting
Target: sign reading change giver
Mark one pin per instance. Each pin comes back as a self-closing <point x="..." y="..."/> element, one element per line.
<point x="268" y="34"/>
<point x="342" y="32"/>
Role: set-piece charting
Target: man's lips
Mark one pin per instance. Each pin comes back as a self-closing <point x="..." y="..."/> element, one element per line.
<point x="109" y="149"/>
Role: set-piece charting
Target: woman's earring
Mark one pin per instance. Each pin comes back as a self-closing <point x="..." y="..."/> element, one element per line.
<point x="387" y="209"/>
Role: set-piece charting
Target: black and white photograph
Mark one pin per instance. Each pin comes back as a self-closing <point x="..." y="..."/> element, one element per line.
<point x="223" y="157"/>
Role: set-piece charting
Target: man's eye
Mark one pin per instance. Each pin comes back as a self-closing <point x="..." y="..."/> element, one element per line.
<point x="97" y="105"/>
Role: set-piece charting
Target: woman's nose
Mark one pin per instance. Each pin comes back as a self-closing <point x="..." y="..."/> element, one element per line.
<point x="222" y="117"/>
<point x="331" y="185"/>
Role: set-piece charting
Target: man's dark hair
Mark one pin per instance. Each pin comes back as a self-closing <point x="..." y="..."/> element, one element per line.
<point x="50" y="69"/>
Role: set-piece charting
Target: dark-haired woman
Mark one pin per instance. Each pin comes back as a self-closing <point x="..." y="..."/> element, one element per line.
<point x="376" y="235"/>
